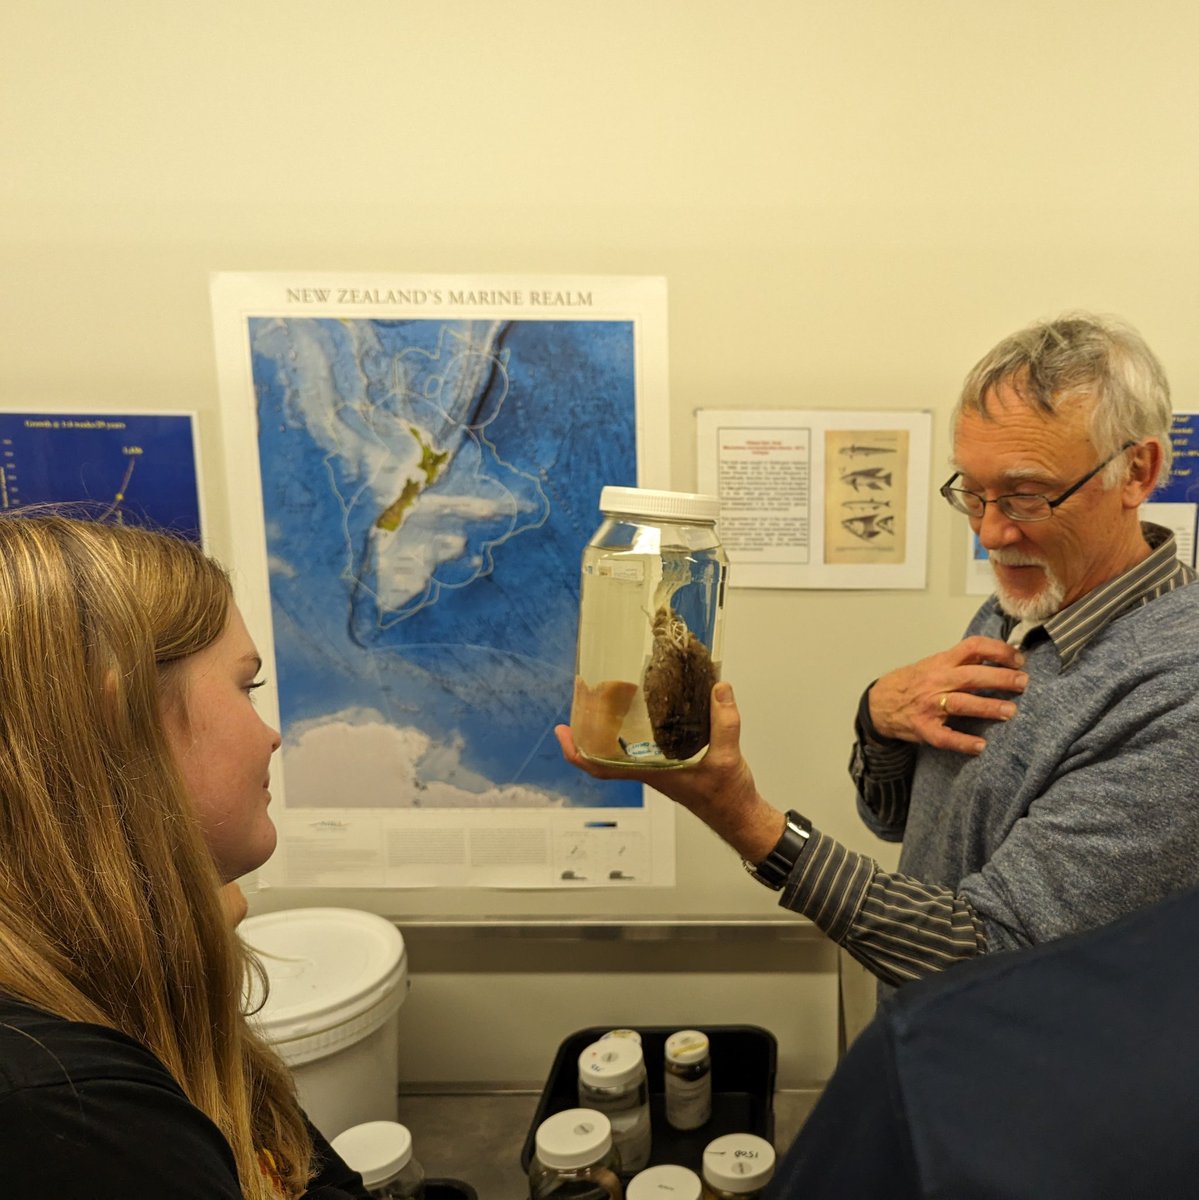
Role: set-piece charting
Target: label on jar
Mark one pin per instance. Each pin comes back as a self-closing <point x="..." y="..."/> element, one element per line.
<point x="630" y="571"/>
<point x="631" y="1136"/>
<point x="641" y="749"/>
<point x="688" y="1101"/>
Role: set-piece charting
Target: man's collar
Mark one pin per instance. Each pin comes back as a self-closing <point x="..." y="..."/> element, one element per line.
<point x="1073" y="626"/>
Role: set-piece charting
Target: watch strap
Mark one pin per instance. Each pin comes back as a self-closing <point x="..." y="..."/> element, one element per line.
<point x="775" y="868"/>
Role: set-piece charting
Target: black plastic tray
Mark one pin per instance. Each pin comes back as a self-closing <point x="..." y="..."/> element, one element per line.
<point x="744" y="1064"/>
<point x="449" y="1189"/>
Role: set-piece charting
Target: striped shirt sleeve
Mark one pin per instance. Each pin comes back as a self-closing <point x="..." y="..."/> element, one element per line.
<point x="882" y="771"/>
<point x="896" y="926"/>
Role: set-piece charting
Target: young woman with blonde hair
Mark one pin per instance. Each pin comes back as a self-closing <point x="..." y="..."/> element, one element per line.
<point x="133" y="785"/>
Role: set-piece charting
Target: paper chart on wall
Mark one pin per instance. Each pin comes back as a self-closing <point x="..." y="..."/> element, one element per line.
<point x="819" y="499"/>
<point x="1175" y="504"/>
<point x="139" y="468"/>
<point x="416" y="464"/>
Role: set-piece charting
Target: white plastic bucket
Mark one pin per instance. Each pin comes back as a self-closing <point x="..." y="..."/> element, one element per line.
<point x="337" y="978"/>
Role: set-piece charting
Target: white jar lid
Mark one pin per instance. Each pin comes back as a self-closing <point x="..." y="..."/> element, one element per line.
<point x="376" y="1150"/>
<point x="687" y="1046"/>
<point x="665" y="1182"/>
<point x="631" y="1034"/>
<point x="611" y="1062"/>
<point x="645" y="502"/>
<point x="573" y="1138"/>
<point x="738" y="1162"/>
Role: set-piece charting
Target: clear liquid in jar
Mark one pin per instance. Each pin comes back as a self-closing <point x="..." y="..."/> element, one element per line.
<point x="647" y="655"/>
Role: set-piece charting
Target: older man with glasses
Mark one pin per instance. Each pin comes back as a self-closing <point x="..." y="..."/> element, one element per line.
<point x="1041" y="773"/>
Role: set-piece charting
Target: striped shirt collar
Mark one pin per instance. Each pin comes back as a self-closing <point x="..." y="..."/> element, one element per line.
<point x="1161" y="572"/>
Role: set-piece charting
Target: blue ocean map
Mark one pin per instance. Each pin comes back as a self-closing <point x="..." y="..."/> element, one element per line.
<point x="428" y="488"/>
<point x="134" y="467"/>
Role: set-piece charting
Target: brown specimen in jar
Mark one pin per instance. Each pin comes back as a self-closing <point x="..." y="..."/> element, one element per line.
<point x="678" y="687"/>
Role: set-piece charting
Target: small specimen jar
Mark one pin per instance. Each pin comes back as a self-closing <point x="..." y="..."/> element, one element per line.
<point x="737" y="1166"/>
<point x="381" y="1152"/>
<point x="688" y="1079"/>
<point x="664" y="1182"/>
<point x="612" y="1080"/>
<point x="651" y="602"/>
<point x="574" y="1156"/>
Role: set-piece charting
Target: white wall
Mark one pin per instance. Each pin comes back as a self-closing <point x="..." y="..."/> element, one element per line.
<point x="851" y="201"/>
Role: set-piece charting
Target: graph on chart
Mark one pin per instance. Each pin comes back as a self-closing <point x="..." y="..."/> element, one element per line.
<point x="139" y="468"/>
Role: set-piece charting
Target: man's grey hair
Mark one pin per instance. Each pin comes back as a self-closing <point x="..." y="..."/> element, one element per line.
<point x="1081" y="356"/>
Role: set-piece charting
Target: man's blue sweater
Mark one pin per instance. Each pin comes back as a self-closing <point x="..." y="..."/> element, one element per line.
<point x="1086" y="804"/>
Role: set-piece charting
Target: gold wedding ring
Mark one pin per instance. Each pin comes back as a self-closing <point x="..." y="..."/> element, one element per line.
<point x="943" y="703"/>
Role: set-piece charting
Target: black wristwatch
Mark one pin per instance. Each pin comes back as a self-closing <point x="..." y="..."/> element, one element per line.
<point x="780" y="862"/>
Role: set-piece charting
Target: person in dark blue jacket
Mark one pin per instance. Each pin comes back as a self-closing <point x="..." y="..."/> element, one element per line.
<point x="1069" y="1071"/>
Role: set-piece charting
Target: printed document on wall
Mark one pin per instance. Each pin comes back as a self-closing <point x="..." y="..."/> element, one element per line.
<point x="415" y="465"/>
<point x="819" y="499"/>
<point x="1175" y="502"/>
<point x="136" y="468"/>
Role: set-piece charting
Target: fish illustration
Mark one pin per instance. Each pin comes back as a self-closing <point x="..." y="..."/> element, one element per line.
<point x="872" y="479"/>
<point x="867" y="505"/>
<point x="868" y="526"/>
<point x="854" y="450"/>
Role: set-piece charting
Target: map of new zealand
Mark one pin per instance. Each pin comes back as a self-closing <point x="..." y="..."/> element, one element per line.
<point x="428" y="487"/>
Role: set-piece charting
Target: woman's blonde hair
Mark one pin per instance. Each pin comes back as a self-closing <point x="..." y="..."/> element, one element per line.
<point x="109" y="906"/>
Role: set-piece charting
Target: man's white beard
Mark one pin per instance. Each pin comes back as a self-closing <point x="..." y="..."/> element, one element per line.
<point x="1040" y="607"/>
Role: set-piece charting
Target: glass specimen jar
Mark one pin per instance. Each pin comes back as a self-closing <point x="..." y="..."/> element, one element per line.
<point x="612" y="1080"/>
<point x="574" y="1157"/>
<point x="687" y="1076"/>
<point x="651" y="602"/>
<point x="737" y="1166"/>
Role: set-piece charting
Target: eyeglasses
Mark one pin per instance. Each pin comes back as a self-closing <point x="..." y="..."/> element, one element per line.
<point x="1018" y="506"/>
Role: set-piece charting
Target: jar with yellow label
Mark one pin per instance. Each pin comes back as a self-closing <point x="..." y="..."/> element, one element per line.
<point x="687" y="1079"/>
